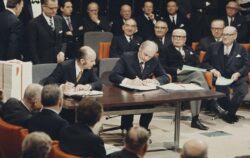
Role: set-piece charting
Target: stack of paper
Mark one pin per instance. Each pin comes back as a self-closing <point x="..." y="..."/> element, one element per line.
<point x="140" y="88"/>
<point x="84" y="93"/>
<point x="15" y="76"/>
<point x="222" y="81"/>
<point x="177" y="86"/>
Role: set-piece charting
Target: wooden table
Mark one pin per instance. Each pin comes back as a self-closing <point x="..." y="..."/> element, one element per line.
<point x="117" y="101"/>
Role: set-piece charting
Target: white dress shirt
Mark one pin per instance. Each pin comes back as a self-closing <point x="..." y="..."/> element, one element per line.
<point x="227" y="49"/>
<point x="36" y="9"/>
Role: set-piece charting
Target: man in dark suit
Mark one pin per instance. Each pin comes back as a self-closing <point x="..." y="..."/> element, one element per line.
<point x="75" y="34"/>
<point x="127" y="42"/>
<point x="79" y="139"/>
<point x="93" y="21"/>
<point x="136" y="144"/>
<point x="185" y="8"/>
<point x="11" y="31"/>
<point x="77" y="73"/>
<point x="216" y="28"/>
<point x="173" y="60"/>
<point x="18" y="112"/>
<point x="230" y="60"/>
<point x="46" y="35"/>
<point x="136" y="69"/>
<point x="146" y="20"/>
<point x="175" y="20"/>
<point x="48" y="120"/>
<point x="233" y="18"/>
<point x="2" y="7"/>
<point x="161" y="36"/>
<point x="125" y="14"/>
<point x="203" y="11"/>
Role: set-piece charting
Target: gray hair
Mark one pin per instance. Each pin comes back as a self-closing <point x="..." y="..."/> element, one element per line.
<point x="136" y="138"/>
<point x="51" y="94"/>
<point x="36" y="145"/>
<point x="32" y="92"/>
<point x="149" y="44"/>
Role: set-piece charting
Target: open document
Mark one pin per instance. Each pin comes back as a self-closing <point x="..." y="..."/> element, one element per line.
<point x="187" y="68"/>
<point x="222" y="81"/>
<point x="111" y="148"/>
<point x="180" y="86"/>
<point x="84" y="93"/>
<point x="140" y="88"/>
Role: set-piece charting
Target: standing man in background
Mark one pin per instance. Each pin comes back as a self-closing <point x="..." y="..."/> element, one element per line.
<point x="11" y="31"/>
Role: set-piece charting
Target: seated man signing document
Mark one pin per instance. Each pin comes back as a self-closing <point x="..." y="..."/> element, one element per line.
<point x="77" y="75"/>
<point x="136" y="69"/>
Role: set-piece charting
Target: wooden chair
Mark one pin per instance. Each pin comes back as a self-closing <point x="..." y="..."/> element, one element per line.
<point x="246" y="46"/>
<point x="104" y="48"/>
<point x="11" y="137"/>
<point x="56" y="152"/>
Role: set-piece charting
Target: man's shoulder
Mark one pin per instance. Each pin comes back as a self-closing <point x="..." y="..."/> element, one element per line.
<point x="12" y="102"/>
<point x="129" y="55"/>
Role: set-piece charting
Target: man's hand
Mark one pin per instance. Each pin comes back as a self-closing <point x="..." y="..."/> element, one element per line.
<point x="188" y="15"/>
<point x="94" y="18"/>
<point x="81" y="87"/>
<point x="68" y="87"/>
<point x="216" y="73"/>
<point x="150" y="82"/>
<point x="151" y="16"/>
<point x="69" y="33"/>
<point x="135" y="82"/>
<point x="60" y="57"/>
<point x="235" y="76"/>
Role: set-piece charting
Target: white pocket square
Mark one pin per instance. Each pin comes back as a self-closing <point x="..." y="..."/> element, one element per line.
<point x="191" y="53"/>
<point x="182" y="25"/>
<point x="238" y="25"/>
<point x="238" y="56"/>
<point x="60" y="31"/>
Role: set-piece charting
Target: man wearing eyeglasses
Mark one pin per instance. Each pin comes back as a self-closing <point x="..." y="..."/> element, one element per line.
<point x="161" y="36"/>
<point x="216" y="28"/>
<point x="136" y="69"/>
<point x="46" y="35"/>
<point x="233" y="18"/>
<point x="230" y="60"/>
<point x="129" y="41"/>
<point x="173" y="59"/>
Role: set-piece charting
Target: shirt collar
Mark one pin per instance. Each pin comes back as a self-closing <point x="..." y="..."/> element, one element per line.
<point x="128" y="37"/>
<point x="48" y="18"/>
<point x="229" y="48"/>
<point x="51" y="110"/>
<point x="140" y="61"/>
<point x="146" y="16"/>
<point x="175" y="16"/>
<point x="26" y="106"/>
<point x="12" y="11"/>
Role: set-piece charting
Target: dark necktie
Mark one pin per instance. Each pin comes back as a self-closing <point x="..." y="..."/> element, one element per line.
<point x="51" y="24"/>
<point x="141" y="66"/>
<point x="130" y="39"/>
<point x="69" y="24"/>
<point x="231" y="21"/>
<point x="173" y="20"/>
<point x="35" y="1"/>
<point x="160" y="39"/>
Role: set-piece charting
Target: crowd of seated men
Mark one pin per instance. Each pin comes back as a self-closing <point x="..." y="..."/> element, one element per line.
<point x="146" y="43"/>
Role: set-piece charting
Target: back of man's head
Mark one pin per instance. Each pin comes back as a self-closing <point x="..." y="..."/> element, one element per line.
<point x="12" y="3"/>
<point x="32" y="95"/>
<point x="51" y="95"/>
<point x="36" y="145"/>
<point x="89" y="112"/>
<point x="136" y="140"/>
<point x="194" y="149"/>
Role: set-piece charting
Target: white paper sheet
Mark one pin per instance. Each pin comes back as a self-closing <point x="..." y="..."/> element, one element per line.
<point x="84" y="93"/>
<point x="222" y="81"/>
<point x="179" y="86"/>
<point x="141" y="88"/>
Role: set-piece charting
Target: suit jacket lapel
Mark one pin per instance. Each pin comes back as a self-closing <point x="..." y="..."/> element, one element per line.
<point x="73" y="71"/>
<point x="29" y="8"/>
<point x="46" y="25"/>
<point x="231" y="55"/>
<point x="136" y="66"/>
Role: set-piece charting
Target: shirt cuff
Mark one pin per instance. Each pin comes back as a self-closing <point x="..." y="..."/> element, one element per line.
<point x="124" y="81"/>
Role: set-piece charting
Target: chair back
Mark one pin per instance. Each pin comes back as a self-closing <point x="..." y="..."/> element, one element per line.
<point x="11" y="137"/>
<point x="56" y="152"/>
<point x="41" y="71"/>
<point x="92" y="39"/>
<point x="104" y="48"/>
<point x="107" y="65"/>
<point x="246" y="46"/>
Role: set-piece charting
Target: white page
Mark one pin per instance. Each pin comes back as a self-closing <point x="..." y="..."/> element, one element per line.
<point x="111" y="148"/>
<point x="84" y="93"/>
<point x="222" y="81"/>
<point x="178" y="86"/>
<point x="141" y="88"/>
<point x="191" y="68"/>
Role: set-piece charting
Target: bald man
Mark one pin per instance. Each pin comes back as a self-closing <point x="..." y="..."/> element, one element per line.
<point x="233" y="18"/>
<point x="173" y="59"/>
<point x="230" y="60"/>
<point x="77" y="73"/>
<point x="95" y="22"/>
<point x="129" y="41"/>
<point x="136" y="144"/>
<point x="125" y="14"/>
<point x="136" y="69"/>
<point x="194" y="148"/>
